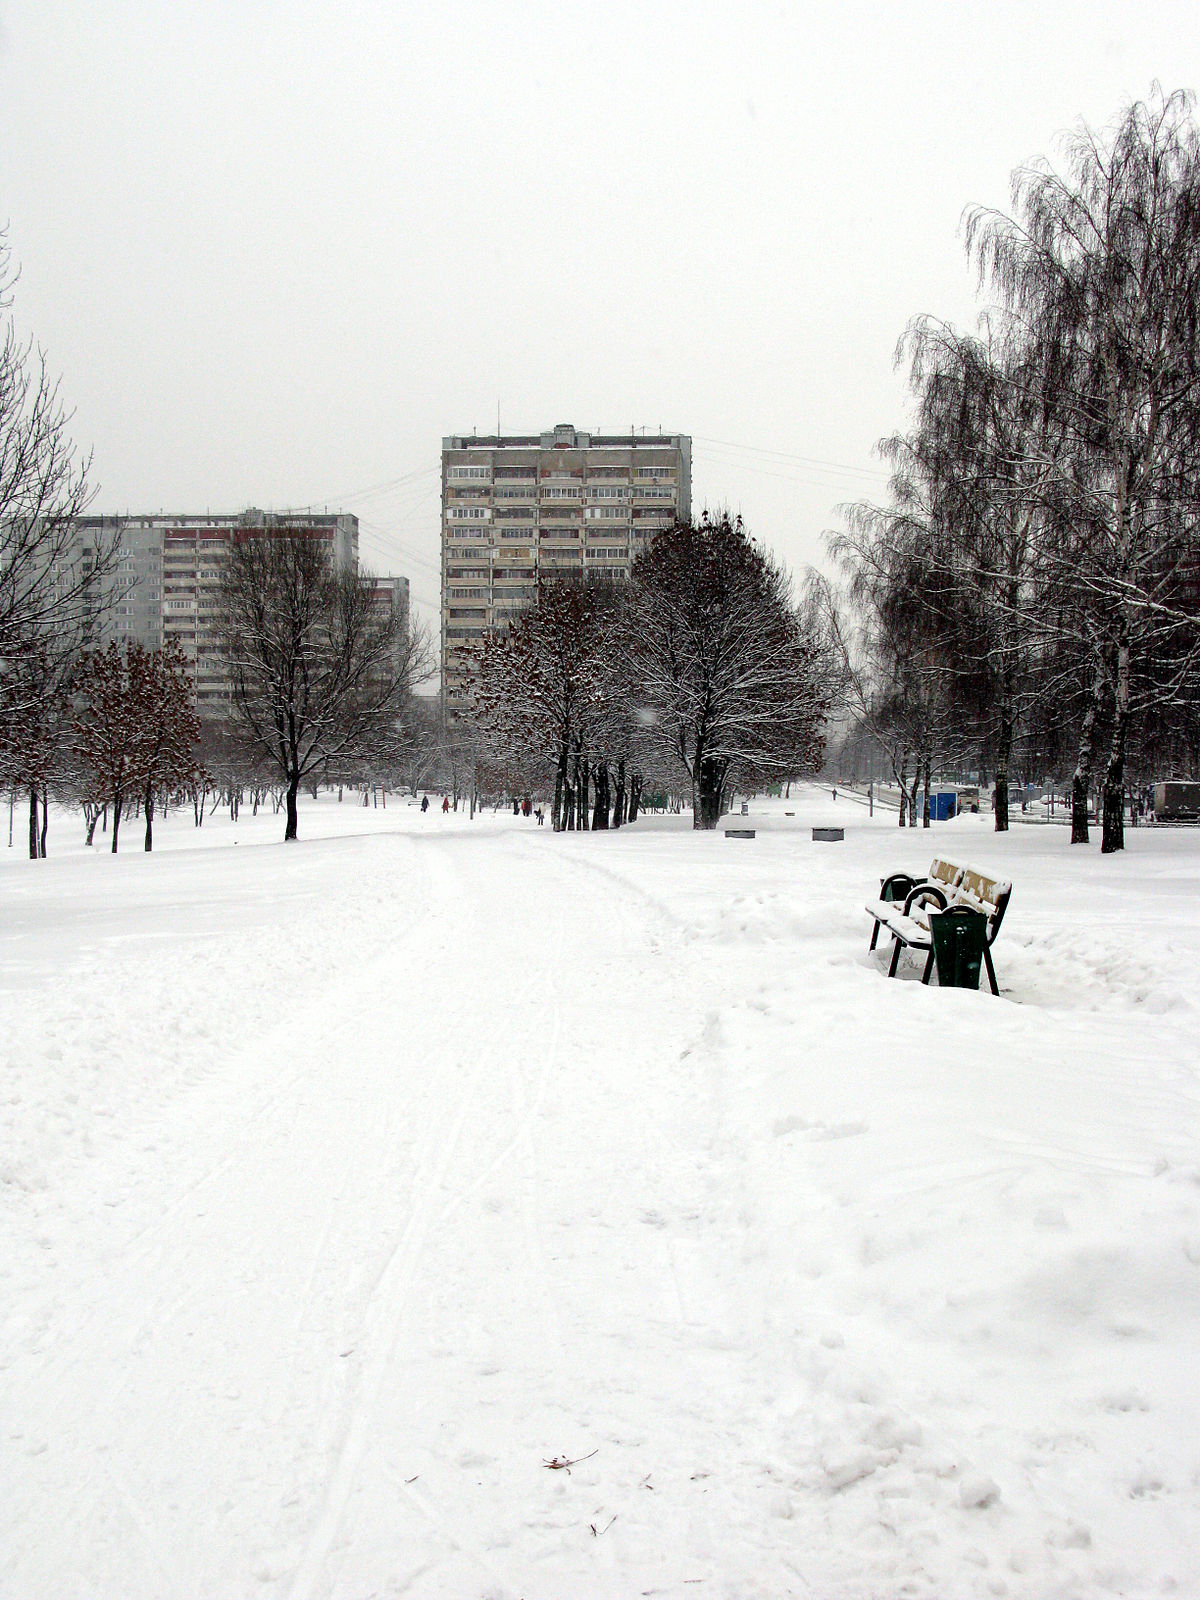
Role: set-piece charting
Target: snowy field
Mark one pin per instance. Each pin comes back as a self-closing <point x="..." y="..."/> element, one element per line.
<point x="349" y="1188"/>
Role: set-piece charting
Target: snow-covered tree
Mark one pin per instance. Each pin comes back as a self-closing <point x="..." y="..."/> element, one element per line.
<point x="723" y="676"/>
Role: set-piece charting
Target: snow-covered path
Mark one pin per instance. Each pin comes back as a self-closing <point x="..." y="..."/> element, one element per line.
<point x="350" y="1186"/>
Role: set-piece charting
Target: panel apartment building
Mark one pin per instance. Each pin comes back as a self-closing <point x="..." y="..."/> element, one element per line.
<point x="518" y="506"/>
<point x="168" y="568"/>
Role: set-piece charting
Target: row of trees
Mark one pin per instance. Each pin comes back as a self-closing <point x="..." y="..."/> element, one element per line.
<point x="1035" y="576"/>
<point x="321" y="678"/>
<point x="701" y="667"/>
<point x="109" y="727"/>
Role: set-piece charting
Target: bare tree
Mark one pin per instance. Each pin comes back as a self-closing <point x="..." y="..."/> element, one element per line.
<point x="320" y="672"/>
<point x="167" y="726"/>
<point x="35" y="723"/>
<point x="51" y="579"/>
<point x="1101" y="266"/>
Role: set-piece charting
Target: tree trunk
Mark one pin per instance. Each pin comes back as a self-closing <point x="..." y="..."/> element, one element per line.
<point x="116" y="821"/>
<point x="1003" y="755"/>
<point x="581" y="787"/>
<point x="708" y="793"/>
<point x="902" y="780"/>
<point x="601" y="809"/>
<point x="91" y="816"/>
<point x="925" y="812"/>
<point x="635" y="795"/>
<point x="148" y="808"/>
<point x="1082" y="777"/>
<point x="292" y="830"/>
<point x="1113" y="834"/>
<point x="33" y="822"/>
<point x="558" y="812"/>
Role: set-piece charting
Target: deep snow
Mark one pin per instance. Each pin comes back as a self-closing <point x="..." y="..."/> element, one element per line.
<point x="345" y="1185"/>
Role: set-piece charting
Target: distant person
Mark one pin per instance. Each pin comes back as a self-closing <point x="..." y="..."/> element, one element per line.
<point x="424" y="802"/>
<point x="835" y="794"/>
<point x="527" y="807"/>
<point x="541" y="816"/>
<point x="445" y="804"/>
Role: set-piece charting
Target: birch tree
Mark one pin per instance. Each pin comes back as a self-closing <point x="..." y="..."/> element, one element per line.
<point x="1101" y="265"/>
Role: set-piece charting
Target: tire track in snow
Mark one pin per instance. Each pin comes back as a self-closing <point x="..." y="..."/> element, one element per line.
<point x="390" y="1295"/>
<point x="150" y="1254"/>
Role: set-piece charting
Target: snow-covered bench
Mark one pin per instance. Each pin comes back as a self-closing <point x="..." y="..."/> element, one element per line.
<point x="903" y="909"/>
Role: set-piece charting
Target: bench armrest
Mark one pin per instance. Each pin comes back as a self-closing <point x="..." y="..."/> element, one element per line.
<point x="925" y="893"/>
<point x="896" y="886"/>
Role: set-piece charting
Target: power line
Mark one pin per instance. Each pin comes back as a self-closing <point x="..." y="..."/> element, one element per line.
<point x="786" y="477"/>
<point x="788" y="455"/>
<point x="371" y="490"/>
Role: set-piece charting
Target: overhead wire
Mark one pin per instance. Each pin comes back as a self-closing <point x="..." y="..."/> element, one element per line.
<point x="791" y="456"/>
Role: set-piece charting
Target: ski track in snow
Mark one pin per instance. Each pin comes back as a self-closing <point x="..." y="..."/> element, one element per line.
<point x="345" y="1188"/>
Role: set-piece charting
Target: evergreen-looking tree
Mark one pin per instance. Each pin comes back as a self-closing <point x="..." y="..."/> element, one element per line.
<point x="722" y="675"/>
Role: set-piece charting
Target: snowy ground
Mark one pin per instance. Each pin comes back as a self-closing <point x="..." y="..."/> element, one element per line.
<point x="346" y="1186"/>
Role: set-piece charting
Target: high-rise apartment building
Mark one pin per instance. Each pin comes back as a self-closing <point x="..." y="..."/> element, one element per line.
<point x="518" y="506"/>
<point x="167" y="574"/>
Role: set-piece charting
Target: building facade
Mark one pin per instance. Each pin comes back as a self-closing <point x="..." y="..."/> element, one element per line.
<point x="168" y="571"/>
<point x="516" y="507"/>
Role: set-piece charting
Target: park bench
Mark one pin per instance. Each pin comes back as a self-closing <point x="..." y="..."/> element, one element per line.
<point x="905" y="903"/>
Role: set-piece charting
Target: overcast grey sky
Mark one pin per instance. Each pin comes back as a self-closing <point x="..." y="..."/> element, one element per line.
<point x="278" y="248"/>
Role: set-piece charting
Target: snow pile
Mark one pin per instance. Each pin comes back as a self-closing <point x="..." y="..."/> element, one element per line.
<point x="444" y="1209"/>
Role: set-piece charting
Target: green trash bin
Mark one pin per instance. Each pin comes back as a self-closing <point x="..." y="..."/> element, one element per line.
<point x="959" y="936"/>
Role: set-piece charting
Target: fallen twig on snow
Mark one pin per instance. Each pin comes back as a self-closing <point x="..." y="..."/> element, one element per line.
<point x="562" y="1464"/>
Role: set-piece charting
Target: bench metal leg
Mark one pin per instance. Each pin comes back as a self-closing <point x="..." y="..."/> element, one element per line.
<point x="896" y="949"/>
<point x="991" y="971"/>
<point x="928" y="968"/>
<point x="874" y="934"/>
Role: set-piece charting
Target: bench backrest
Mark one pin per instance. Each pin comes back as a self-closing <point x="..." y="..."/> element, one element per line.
<point x="989" y="895"/>
<point x="944" y="873"/>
